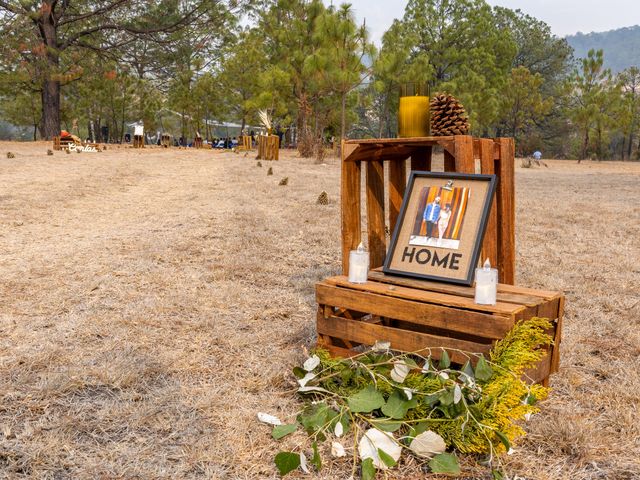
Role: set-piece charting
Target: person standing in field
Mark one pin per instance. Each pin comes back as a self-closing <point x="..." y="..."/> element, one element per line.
<point x="537" y="155"/>
<point x="431" y="215"/>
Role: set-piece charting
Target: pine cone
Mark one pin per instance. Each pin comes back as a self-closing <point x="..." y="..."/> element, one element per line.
<point x="284" y="181"/>
<point x="448" y="116"/>
<point x="270" y="171"/>
<point x="259" y="164"/>
<point x="323" y="199"/>
<point x="11" y="155"/>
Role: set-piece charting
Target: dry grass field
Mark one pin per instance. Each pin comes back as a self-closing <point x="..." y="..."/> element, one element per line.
<point x="151" y="302"/>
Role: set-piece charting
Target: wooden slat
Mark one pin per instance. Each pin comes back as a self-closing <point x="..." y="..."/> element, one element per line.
<point x="403" y="141"/>
<point x="463" y="145"/>
<point x="487" y="167"/>
<point x="506" y="212"/>
<point x="350" y="210"/>
<point x="372" y="152"/>
<point x="397" y="186"/>
<point x="375" y="213"/>
<point x="454" y="319"/>
<point x="456" y="301"/>
<point x="368" y="334"/>
<point x="462" y="291"/>
<point x="555" y="352"/>
<point x="421" y="159"/>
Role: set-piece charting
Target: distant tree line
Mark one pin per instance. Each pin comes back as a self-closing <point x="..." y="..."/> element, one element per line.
<point x="86" y="65"/>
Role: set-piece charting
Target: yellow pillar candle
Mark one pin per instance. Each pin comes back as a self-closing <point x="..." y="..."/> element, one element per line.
<point x="413" y="116"/>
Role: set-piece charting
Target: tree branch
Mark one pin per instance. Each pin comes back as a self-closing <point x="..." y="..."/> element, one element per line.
<point x="100" y="11"/>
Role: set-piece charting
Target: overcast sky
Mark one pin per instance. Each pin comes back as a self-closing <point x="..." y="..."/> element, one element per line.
<point x="565" y="17"/>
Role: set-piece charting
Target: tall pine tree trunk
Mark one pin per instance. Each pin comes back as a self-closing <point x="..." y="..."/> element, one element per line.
<point x="50" y="122"/>
<point x="343" y="116"/>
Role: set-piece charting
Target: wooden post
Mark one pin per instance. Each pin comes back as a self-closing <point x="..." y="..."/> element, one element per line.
<point x="463" y="159"/>
<point x="350" y="207"/>
<point x="506" y="212"/>
<point x="375" y="213"/>
<point x="397" y="186"/>
<point x="487" y="167"/>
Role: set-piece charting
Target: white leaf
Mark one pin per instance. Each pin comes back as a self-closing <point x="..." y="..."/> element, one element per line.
<point x="304" y="380"/>
<point x="303" y="463"/>
<point x="339" y="430"/>
<point x="527" y="417"/>
<point x="381" y="346"/>
<point x="311" y="363"/>
<point x="374" y="439"/>
<point x="428" y="444"/>
<point x="400" y="371"/>
<point x="426" y="368"/>
<point x="408" y="392"/>
<point x="337" y="450"/>
<point x="457" y="394"/>
<point x="511" y="451"/>
<point x="443" y="375"/>
<point x="269" y="419"/>
<point x="313" y="389"/>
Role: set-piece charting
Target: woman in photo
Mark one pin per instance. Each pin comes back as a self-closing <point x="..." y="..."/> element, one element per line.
<point x="443" y="221"/>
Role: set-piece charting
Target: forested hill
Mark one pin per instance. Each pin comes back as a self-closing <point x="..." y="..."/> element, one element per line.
<point x="621" y="47"/>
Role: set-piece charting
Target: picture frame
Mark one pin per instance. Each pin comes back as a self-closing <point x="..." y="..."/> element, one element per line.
<point x="439" y="232"/>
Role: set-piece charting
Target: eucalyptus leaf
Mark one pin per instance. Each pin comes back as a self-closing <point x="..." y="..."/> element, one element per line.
<point x="445" y="361"/>
<point x="303" y="463"/>
<point x="400" y="371"/>
<point x="337" y="450"/>
<point x="374" y="440"/>
<point x="396" y="406"/>
<point x="503" y="438"/>
<point x="428" y="444"/>
<point x="368" y="469"/>
<point x="388" y="426"/>
<point x="386" y="458"/>
<point x="304" y="380"/>
<point x="311" y="363"/>
<point x="269" y="419"/>
<point x="445" y="463"/>
<point x="316" y="460"/>
<point x="280" y="431"/>
<point x="366" y="400"/>
<point x="457" y="394"/>
<point x="299" y="372"/>
<point x="467" y="369"/>
<point x="483" y="370"/>
<point x="287" y="462"/>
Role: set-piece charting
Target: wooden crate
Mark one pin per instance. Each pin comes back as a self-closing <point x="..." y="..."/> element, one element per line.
<point x="166" y="140"/>
<point x="245" y="143"/>
<point x="462" y="153"/>
<point x="138" y="141"/>
<point x="417" y="314"/>
<point x="61" y="144"/>
<point x="268" y="147"/>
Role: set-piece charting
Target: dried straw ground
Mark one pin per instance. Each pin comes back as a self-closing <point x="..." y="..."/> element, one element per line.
<point x="151" y="302"/>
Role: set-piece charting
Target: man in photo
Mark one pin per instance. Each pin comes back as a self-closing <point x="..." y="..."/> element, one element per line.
<point x="431" y="216"/>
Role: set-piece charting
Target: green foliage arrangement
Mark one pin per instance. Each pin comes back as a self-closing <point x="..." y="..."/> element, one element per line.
<point x="407" y="402"/>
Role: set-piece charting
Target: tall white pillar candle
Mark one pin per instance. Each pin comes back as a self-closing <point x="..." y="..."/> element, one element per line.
<point x="358" y="265"/>
<point x="486" y="284"/>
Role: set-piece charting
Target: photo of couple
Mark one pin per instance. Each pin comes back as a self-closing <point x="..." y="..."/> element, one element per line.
<point x="440" y="215"/>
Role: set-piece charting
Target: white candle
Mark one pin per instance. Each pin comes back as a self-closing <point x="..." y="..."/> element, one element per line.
<point x="358" y="265"/>
<point x="486" y="284"/>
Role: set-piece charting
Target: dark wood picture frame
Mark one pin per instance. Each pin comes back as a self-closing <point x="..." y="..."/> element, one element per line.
<point x="467" y="249"/>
